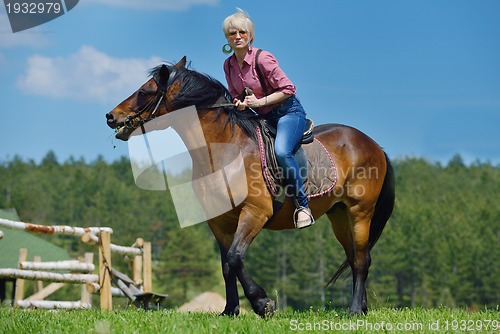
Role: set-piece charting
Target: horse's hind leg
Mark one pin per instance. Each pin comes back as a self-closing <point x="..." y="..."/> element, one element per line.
<point x="352" y="228"/>
<point x="341" y="226"/>
<point x="360" y="219"/>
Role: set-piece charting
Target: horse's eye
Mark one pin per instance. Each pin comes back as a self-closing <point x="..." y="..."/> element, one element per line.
<point x="142" y="93"/>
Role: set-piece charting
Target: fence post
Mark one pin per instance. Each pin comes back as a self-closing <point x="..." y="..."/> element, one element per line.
<point x="86" y="297"/>
<point x="147" y="267"/>
<point x="19" y="295"/>
<point x="137" y="263"/>
<point x="105" y="270"/>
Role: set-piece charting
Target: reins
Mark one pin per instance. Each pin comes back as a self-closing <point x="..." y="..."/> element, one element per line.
<point x="222" y="102"/>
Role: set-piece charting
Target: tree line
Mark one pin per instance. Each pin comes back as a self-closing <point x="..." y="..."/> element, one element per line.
<point x="441" y="247"/>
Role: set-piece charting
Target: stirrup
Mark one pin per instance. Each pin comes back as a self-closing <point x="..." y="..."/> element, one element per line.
<point x="305" y="222"/>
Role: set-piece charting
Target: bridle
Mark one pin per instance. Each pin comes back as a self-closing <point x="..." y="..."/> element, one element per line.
<point x="134" y="120"/>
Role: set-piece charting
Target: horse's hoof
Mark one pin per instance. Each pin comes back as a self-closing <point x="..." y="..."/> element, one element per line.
<point x="358" y="311"/>
<point x="233" y="313"/>
<point x="267" y="310"/>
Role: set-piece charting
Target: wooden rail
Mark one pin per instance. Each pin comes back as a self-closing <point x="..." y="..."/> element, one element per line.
<point x="47" y="276"/>
<point x="54" y="229"/>
<point x="139" y="284"/>
<point x="71" y="265"/>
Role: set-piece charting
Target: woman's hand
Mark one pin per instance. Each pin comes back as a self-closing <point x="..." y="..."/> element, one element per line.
<point x="252" y="101"/>
<point x="240" y="105"/>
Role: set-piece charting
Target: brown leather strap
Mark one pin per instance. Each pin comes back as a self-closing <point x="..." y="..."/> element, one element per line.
<point x="263" y="81"/>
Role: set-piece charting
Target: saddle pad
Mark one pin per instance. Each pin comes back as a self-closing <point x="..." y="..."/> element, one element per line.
<point x="321" y="173"/>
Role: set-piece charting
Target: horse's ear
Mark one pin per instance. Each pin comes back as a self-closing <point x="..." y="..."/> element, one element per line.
<point x="163" y="77"/>
<point x="181" y="63"/>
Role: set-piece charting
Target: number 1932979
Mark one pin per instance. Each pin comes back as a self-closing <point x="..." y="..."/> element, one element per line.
<point x="33" y="8"/>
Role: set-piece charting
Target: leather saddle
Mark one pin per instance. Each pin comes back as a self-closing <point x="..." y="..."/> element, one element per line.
<point x="272" y="172"/>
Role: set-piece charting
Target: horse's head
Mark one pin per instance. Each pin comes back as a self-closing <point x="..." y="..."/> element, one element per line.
<point x="152" y="99"/>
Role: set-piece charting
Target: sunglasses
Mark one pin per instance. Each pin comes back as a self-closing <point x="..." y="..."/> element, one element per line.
<point x="233" y="33"/>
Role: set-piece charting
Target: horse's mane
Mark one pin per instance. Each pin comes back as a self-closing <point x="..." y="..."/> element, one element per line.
<point x="201" y="90"/>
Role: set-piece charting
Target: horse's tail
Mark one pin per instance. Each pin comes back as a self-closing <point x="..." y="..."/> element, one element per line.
<point x="384" y="206"/>
<point x="383" y="210"/>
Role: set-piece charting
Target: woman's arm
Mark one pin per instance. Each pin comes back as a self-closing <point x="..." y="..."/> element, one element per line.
<point x="276" y="97"/>
<point x="277" y="80"/>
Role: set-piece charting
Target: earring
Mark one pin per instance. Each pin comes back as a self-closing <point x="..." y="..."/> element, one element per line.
<point x="227" y="49"/>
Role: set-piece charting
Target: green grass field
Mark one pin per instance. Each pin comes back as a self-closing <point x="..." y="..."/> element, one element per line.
<point x="131" y="320"/>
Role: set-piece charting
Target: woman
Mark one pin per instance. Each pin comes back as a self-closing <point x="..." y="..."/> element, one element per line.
<point x="275" y="101"/>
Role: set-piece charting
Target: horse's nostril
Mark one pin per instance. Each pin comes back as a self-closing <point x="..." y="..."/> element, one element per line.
<point x="109" y="116"/>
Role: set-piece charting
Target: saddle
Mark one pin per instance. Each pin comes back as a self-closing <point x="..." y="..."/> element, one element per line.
<point x="317" y="168"/>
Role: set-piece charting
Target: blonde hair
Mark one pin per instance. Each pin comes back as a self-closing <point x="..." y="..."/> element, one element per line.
<point x="239" y="20"/>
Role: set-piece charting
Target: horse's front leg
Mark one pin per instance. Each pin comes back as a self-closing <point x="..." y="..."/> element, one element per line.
<point x="225" y="236"/>
<point x="232" y="301"/>
<point x="250" y="224"/>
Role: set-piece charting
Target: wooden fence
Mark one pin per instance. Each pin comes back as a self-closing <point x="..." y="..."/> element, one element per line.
<point x="138" y="288"/>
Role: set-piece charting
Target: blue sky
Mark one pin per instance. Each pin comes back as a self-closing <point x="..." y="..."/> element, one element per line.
<point x="420" y="77"/>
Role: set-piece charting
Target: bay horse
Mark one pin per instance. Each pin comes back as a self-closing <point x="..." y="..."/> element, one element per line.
<point x="357" y="217"/>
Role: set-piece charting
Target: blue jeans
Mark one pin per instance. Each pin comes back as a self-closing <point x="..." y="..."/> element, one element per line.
<point x="290" y="120"/>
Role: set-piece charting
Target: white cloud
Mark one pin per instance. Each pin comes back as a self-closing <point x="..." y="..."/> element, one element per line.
<point x="153" y="4"/>
<point x="31" y="38"/>
<point x="87" y="75"/>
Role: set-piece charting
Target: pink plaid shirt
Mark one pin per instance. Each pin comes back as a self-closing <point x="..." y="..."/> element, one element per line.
<point x="238" y="79"/>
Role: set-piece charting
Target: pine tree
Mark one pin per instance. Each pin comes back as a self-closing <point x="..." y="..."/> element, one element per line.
<point x="188" y="264"/>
